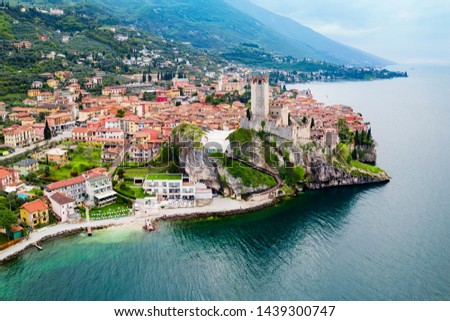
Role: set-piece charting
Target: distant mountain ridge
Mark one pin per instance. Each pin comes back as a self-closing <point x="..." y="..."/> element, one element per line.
<point x="222" y="24"/>
<point x="308" y="41"/>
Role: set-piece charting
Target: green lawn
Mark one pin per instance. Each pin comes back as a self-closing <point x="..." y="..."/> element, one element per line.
<point x="241" y="135"/>
<point x="250" y="176"/>
<point x="136" y="172"/>
<point x="108" y="212"/>
<point x="131" y="190"/>
<point x="133" y="164"/>
<point x="79" y="162"/>
<point x="144" y="171"/>
<point x="366" y="167"/>
<point x="138" y="192"/>
<point x="172" y="177"/>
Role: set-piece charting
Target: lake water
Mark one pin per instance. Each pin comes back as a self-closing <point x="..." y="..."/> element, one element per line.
<point x="384" y="242"/>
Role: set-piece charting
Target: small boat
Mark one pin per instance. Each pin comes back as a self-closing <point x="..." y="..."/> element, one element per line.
<point x="149" y="227"/>
<point x="38" y="246"/>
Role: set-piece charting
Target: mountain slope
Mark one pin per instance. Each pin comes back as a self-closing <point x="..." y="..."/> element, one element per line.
<point x="222" y="24"/>
<point x="307" y="41"/>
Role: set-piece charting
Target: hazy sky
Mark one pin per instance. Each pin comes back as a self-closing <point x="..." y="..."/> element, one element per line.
<point x="408" y="31"/>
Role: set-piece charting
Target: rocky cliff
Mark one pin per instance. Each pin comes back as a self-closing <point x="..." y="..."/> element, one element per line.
<point x="322" y="167"/>
<point x="320" y="174"/>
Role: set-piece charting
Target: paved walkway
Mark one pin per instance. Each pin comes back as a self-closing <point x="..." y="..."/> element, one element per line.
<point x="218" y="204"/>
<point x="37" y="235"/>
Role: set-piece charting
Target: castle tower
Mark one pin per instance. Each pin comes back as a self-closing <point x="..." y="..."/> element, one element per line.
<point x="220" y="87"/>
<point x="260" y="97"/>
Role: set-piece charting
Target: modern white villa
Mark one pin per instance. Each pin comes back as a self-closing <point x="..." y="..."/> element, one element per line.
<point x="175" y="187"/>
<point x="99" y="191"/>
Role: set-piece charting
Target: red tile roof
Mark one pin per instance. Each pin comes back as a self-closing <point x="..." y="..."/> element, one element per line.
<point x="80" y="130"/>
<point x="66" y="182"/>
<point x="35" y="206"/>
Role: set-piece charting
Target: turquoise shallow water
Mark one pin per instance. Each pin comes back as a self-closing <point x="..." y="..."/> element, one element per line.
<point x="383" y="242"/>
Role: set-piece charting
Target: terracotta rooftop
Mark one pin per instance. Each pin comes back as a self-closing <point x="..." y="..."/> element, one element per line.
<point x="66" y="182"/>
<point x="35" y="206"/>
<point x="80" y="130"/>
<point x="4" y="172"/>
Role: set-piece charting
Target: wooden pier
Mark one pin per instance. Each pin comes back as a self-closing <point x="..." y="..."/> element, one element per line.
<point x="38" y="246"/>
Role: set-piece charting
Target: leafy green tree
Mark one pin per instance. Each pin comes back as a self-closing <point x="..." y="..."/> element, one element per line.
<point x="120" y="113"/>
<point x="149" y="96"/>
<point x="345" y="134"/>
<point x="41" y="116"/>
<point x="120" y="173"/>
<point x="47" y="131"/>
<point x="14" y="201"/>
<point x="31" y="177"/>
<point x="209" y="99"/>
<point x="7" y="217"/>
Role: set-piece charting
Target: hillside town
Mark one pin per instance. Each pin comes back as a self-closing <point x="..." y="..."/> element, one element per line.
<point x="123" y="128"/>
<point x="79" y="149"/>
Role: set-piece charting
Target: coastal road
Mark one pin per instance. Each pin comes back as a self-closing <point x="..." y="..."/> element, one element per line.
<point x="63" y="136"/>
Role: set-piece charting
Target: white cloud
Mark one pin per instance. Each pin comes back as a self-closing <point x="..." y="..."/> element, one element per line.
<point x="413" y="30"/>
<point x="335" y="29"/>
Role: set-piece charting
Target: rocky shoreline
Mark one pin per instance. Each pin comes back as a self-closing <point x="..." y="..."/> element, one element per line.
<point x="217" y="213"/>
<point x="48" y="238"/>
<point x="339" y="181"/>
<point x="21" y="247"/>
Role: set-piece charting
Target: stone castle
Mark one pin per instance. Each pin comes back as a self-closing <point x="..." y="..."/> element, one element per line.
<point x="272" y="117"/>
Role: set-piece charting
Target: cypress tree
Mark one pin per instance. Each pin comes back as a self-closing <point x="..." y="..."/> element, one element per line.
<point x="312" y="123"/>
<point x="357" y="142"/>
<point x="47" y="131"/>
<point x="369" y="136"/>
<point x="363" y="137"/>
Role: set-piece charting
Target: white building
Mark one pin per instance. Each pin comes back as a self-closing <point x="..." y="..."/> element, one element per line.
<point x="110" y="133"/>
<point x="99" y="191"/>
<point x="62" y="205"/>
<point x="173" y="187"/>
